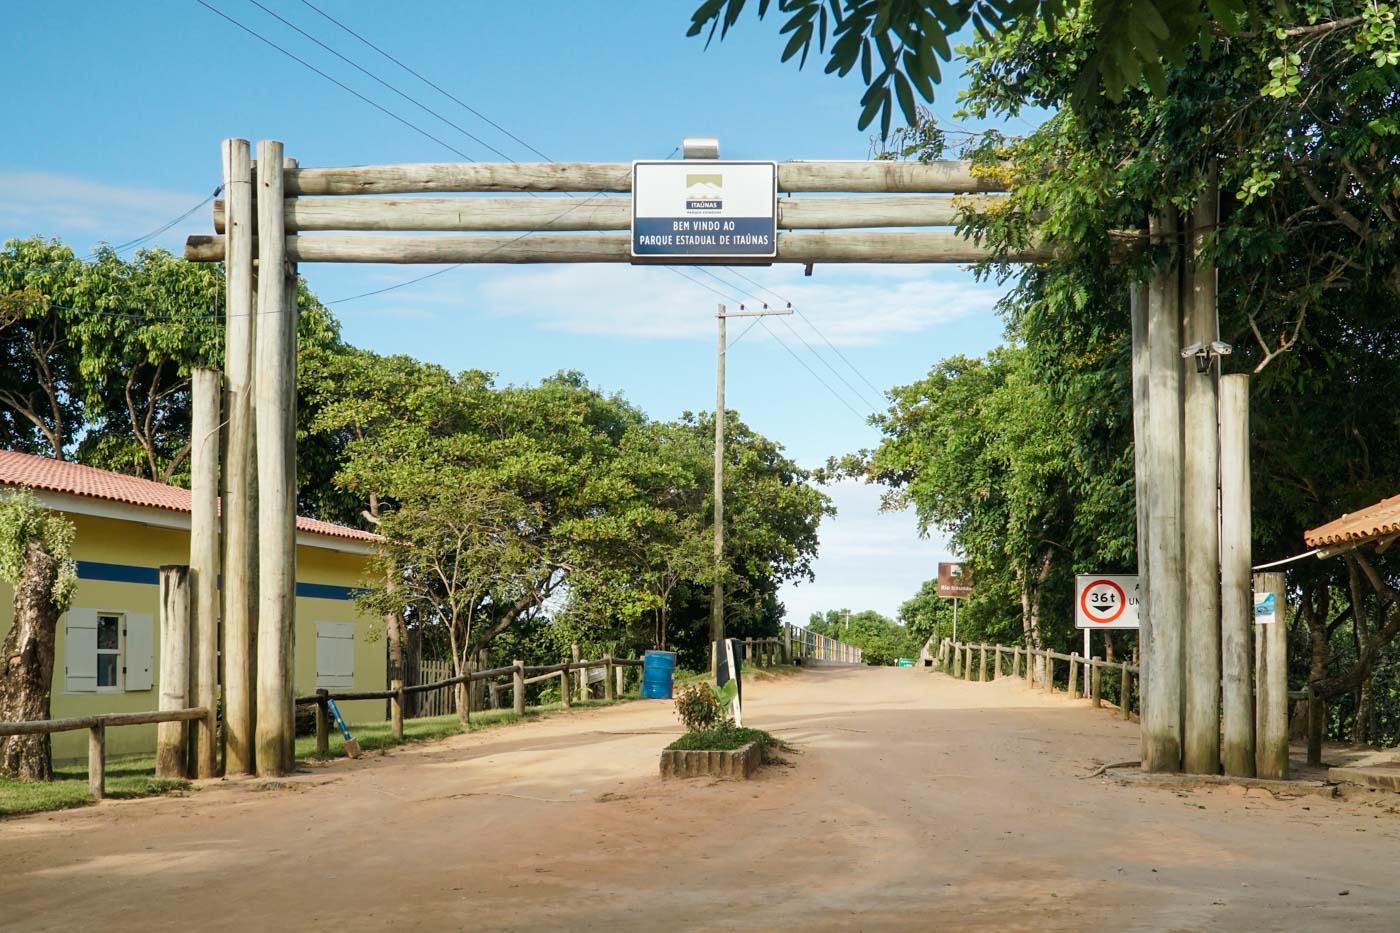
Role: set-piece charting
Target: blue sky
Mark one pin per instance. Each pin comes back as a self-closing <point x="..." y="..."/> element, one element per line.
<point x="116" y="112"/>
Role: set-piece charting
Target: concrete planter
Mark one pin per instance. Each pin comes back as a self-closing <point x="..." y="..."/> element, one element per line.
<point x="735" y="765"/>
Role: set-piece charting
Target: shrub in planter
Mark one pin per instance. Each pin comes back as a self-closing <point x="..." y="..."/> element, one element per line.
<point x="698" y="706"/>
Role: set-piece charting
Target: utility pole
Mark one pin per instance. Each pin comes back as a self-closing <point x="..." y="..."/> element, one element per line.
<point x="717" y="591"/>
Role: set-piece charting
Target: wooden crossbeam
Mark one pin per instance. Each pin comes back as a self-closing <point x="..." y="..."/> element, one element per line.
<point x="597" y="213"/>
<point x="938" y="177"/>
<point x="866" y="246"/>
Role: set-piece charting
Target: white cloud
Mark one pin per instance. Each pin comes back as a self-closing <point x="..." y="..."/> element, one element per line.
<point x="868" y="559"/>
<point x="851" y="305"/>
<point x="78" y="209"/>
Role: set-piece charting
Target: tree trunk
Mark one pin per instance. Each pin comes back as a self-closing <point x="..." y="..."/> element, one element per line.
<point x="28" y="655"/>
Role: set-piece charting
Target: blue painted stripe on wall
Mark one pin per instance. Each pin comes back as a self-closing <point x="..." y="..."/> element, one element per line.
<point x="117" y="573"/>
<point x="127" y="573"/>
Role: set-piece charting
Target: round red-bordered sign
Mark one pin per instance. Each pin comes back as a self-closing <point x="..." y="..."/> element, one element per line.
<point x="1092" y="615"/>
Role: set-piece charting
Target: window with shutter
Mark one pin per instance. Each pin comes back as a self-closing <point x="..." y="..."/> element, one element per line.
<point x="335" y="655"/>
<point x="80" y="651"/>
<point x="139" y="652"/>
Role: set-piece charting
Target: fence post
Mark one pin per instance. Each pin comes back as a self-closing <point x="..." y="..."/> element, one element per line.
<point x="609" y="692"/>
<point x="564" y="695"/>
<point x="97" y="760"/>
<point x="982" y="665"/>
<point x="396" y="703"/>
<point x="1030" y="667"/>
<point x="518" y="683"/>
<point x="1049" y="672"/>
<point x="1096" y="683"/>
<point x="1271" y="681"/>
<point x="787" y="644"/>
<point x="1125" y="690"/>
<point x="1016" y="661"/>
<point x="621" y="680"/>
<point x="172" y="744"/>
<point x="1073" y="674"/>
<point x="323" y="725"/>
<point x="582" y="675"/>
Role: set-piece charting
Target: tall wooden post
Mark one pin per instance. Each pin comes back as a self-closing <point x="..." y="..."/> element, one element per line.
<point x="518" y="686"/>
<point x="982" y="665"/>
<point x="1201" y="326"/>
<point x="204" y="567"/>
<point x="1162" y="719"/>
<point x="1142" y="476"/>
<point x="566" y="696"/>
<point x="289" y="361"/>
<point x="608" y="688"/>
<point x="239" y="590"/>
<point x="274" y="416"/>
<point x="717" y="587"/>
<point x="1271" y="675"/>
<point x="1236" y="609"/>
<point x="172" y="750"/>
<point x="621" y="689"/>
<point x="575" y="655"/>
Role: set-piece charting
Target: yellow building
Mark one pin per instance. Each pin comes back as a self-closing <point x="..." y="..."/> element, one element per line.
<point x="107" y="653"/>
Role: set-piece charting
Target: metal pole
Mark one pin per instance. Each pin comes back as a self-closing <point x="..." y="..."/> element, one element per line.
<point x="955" y="618"/>
<point x="1087" y="654"/>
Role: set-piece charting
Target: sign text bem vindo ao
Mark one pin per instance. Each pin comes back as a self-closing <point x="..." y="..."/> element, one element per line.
<point x="705" y="209"/>
<point x="954" y="580"/>
<point x="1104" y="601"/>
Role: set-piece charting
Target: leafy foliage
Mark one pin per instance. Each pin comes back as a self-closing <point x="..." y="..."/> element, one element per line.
<point x="899" y="44"/>
<point x="24" y="523"/>
<point x="698" y="706"/>
<point x="882" y="640"/>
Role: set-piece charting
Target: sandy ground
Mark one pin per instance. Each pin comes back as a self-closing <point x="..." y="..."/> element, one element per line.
<point x="915" y="802"/>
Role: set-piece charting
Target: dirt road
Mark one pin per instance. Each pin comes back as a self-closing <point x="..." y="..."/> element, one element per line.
<point x="916" y="802"/>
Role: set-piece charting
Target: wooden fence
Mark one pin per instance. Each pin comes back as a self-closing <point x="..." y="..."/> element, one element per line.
<point x="614" y="683"/>
<point x="97" y="734"/>
<point x="1084" y="677"/>
<point x="805" y="644"/>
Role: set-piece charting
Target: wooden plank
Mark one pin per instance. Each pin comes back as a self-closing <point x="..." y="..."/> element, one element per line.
<point x="596" y="213"/>
<point x="49" y="726"/>
<point x="865" y="246"/>
<point x="172" y="747"/>
<point x="938" y="177"/>
<point x="239" y="539"/>
<point x="206" y="386"/>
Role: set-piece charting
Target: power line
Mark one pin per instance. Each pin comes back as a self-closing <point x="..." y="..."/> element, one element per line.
<point x="834" y="371"/>
<point x="420" y="77"/>
<point x="372" y="76"/>
<point x="879" y="392"/>
<point x="839" y="397"/>
<point x="344" y="87"/>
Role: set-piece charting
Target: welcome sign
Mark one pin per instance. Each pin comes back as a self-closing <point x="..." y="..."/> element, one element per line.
<point x="704" y="210"/>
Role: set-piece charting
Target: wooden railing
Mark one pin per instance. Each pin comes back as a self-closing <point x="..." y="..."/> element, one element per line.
<point x="614" y="684"/>
<point x="97" y="734"/>
<point x="957" y="659"/>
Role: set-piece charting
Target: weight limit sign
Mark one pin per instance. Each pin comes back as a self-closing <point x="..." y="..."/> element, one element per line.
<point x="1106" y="601"/>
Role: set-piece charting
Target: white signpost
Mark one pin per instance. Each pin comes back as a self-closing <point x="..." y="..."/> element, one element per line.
<point x="1104" y="601"/>
<point x="704" y="210"/>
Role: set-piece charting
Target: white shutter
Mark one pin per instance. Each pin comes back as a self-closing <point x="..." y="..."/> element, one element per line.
<point x="80" y="651"/>
<point x="140" y="650"/>
<point x="335" y="655"/>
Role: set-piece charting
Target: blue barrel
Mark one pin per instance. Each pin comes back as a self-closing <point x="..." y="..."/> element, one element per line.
<point x="658" y="674"/>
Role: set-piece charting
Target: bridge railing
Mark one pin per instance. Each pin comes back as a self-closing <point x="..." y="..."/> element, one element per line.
<point x="1085" y="676"/>
<point x="806" y="643"/>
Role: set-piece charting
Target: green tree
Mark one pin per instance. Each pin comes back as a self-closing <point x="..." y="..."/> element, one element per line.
<point x="882" y="640"/>
<point x="35" y="545"/>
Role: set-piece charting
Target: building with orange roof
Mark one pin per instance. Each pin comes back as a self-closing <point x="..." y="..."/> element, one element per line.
<point x="107" y="653"/>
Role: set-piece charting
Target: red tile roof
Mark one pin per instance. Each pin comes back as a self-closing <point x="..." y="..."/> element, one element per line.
<point x="18" y="469"/>
<point x="1377" y="521"/>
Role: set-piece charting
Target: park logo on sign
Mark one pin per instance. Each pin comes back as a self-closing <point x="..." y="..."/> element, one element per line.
<point x="704" y="192"/>
<point x="1106" y="601"/>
